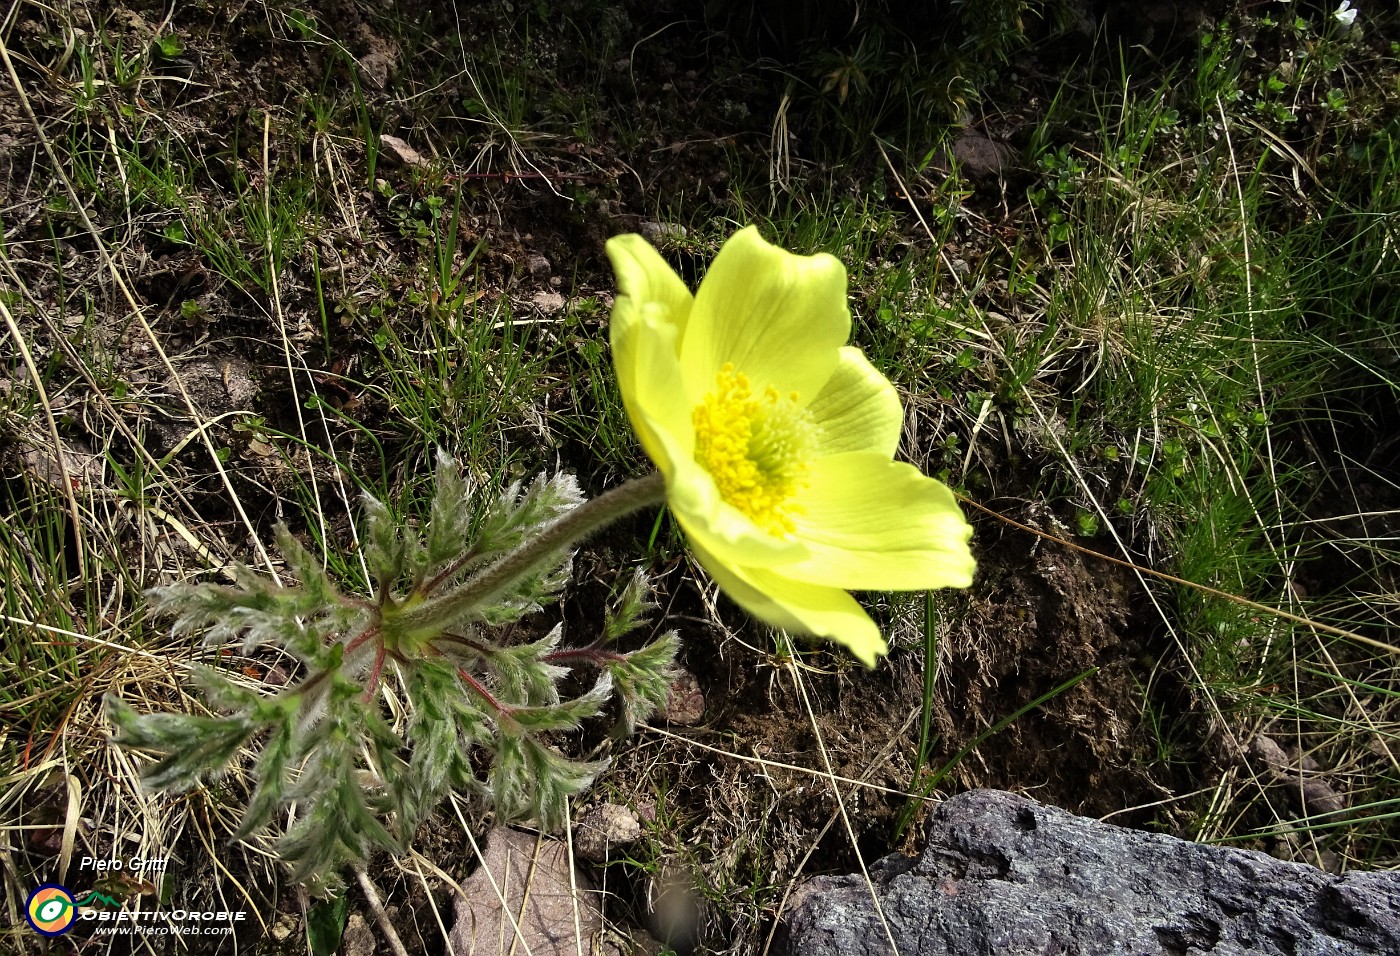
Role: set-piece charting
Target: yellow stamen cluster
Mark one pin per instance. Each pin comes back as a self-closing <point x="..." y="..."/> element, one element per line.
<point x="756" y="449"/>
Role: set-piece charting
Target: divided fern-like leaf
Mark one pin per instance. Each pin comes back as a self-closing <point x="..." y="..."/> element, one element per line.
<point x="528" y="594"/>
<point x="477" y="708"/>
<point x="338" y="830"/>
<point x="565" y="715"/>
<point x="523" y="677"/>
<point x="556" y="779"/>
<point x="445" y="726"/>
<point x="272" y="771"/>
<point x="516" y="515"/>
<point x="450" y="518"/>
<point x="627" y="610"/>
<point x="644" y="677"/>
<point x="387" y="544"/>
<point x="194" y="746"/>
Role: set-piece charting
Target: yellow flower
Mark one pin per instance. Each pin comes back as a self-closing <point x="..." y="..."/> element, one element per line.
<point x="776" y="439"/>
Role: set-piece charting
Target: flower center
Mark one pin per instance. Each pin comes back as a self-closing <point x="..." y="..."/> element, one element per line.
<point x="756" y="449"/>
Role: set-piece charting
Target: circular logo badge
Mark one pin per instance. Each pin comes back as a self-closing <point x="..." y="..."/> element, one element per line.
<point x="51" y="910"/>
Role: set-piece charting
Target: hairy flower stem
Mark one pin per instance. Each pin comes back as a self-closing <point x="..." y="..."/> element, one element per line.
<point x="593" y="653"/>
<point x="481" y="690"/>
<point x="436" y="613"/>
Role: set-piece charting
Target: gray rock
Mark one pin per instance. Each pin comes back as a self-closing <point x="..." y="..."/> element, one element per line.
<point x="1004" y="875"/>
<point x="978" y="157"/>
<point x="662" y="232"/>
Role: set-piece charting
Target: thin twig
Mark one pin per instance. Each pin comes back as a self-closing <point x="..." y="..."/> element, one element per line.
<point x="801" y="687"/>
<point x="376" y="907"/>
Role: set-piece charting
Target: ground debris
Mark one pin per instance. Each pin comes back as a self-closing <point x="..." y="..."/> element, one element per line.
<point x="1298" y="776"/>
<point x="524" y="883"/>
<point x="397" y="150"/>
<point x="685" y="707"/>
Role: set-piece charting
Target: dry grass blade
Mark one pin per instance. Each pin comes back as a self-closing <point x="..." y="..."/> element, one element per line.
<point x="137" y="311"/>
<point x="766" y="764"/>
<point x="895" y="741"/>
<point x="68" y="481"/>
<point x="1194" y="585"/>
<point x="799" y="684"/>
<point x="517" y="932"/>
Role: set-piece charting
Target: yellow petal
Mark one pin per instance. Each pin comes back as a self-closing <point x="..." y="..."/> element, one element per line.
<point x="778" y="317"/>
<point x="857" y="409"/>
<point x="719" y="527"/>
<point x="797" y="607"/>
<point x="643" y="276"/>
<point x="644" y="357"/>
<point x="874" y="524"/>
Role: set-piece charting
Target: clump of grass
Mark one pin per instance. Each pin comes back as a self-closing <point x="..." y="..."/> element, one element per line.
<point x="1166" y="349"/>
<point x="893" y="69"/>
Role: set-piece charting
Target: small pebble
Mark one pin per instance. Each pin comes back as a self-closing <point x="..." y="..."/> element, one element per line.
<point x="602" y="827"/>
<point x="358" y="938"/>
<point x="392" y="150"/>
<point x="656" y="232"/>
<point x="548" y="302"/>
<point x="285" y="925"/>
<point x="686" y="705"/>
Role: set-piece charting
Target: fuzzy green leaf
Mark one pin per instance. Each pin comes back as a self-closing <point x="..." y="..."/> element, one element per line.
<point x="336" y="831"/>
<point x="528" y="594"/>
<point x="444" y="727"/>
<point x="555" y="780"/>
<point x="223" y="694"/>
<point x="627" y="610"/>
<point x="316" y="585"/>
<point x="523" y="679"/>
<point x="518" y="514"/>
<point x="387" y="544"/>
<point x="530" y="780"/>
<point x="450" y="518"/>
<point x="272" y="770"/>
<point x="644" y="677"/>
<point x="507" y="781"/>
<point x="194" y="746"/>
<point x="260" y="612"/>
<point x="565" y="715"/>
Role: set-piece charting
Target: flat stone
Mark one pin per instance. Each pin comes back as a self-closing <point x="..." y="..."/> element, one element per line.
<point x="521" y="899"/>
<point x="662" y="232"/>
<point x="396" y="151"/>
<point x="1003" y="874"/>
<point x="980" y="155"/>
<point x="358" y="938"/>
